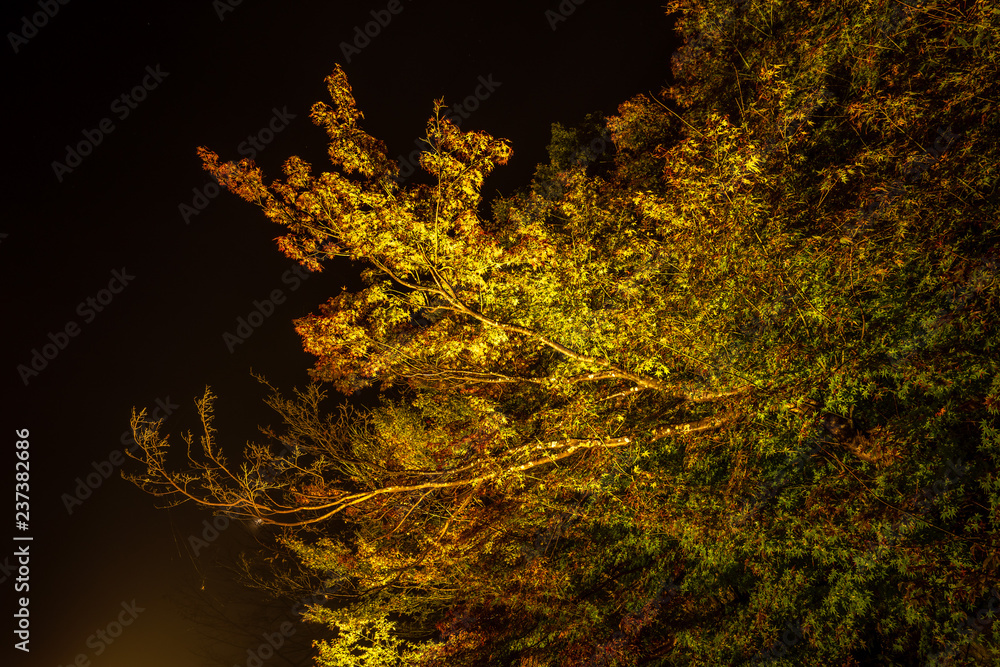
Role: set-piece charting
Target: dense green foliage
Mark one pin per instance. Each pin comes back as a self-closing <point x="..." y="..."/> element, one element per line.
<point x="720" y="387"/>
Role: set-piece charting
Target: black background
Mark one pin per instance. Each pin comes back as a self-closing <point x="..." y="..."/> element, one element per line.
<point x="161" y="337"/>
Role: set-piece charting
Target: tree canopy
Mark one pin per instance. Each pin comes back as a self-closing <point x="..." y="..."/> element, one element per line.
<point x="719" y="387"/>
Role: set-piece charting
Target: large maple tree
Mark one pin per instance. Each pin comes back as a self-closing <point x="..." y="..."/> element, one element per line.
<point x="721" y="391"/>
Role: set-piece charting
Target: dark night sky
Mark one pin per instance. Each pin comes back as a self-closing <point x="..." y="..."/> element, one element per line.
<point x="160" y="337"/>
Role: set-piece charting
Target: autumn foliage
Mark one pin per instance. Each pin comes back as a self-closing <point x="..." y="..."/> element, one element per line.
<point x="723" y="393"/>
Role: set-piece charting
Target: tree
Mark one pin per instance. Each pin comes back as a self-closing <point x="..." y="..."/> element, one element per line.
<point x="700" y="402"/>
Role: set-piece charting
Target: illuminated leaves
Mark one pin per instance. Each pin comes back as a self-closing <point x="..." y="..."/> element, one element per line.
<point x="361" y="641"/>
<point x="698" y="302"/>
<point x="350" y="147"/>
